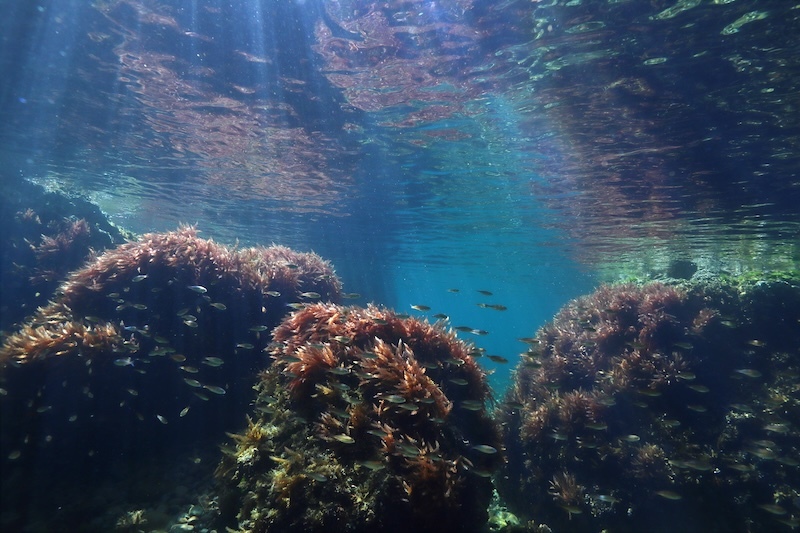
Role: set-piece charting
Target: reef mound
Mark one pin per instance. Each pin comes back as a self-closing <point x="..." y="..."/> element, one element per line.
<point x="365" y="421"/>
<point x="660" y="408"/>
<point x="142" y="356"/>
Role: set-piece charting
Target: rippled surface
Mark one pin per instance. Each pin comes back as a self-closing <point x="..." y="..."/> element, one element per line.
<point x="585" y="134"/>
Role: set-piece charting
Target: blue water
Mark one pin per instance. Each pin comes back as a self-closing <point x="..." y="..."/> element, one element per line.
<point x="532" y="149"/>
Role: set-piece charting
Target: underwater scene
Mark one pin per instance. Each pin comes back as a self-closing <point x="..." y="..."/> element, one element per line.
<point x="508" y="266"/>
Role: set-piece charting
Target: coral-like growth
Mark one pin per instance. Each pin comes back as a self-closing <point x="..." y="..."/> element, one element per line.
<point x="652" y="408"/>
<point x="156" y="341"/>
<point x="375" y="421"/>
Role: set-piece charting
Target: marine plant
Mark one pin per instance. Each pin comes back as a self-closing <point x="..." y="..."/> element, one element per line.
<point x="151" y="345"/>
<point x="372" y="422"/>
<point x="660" y="407"/>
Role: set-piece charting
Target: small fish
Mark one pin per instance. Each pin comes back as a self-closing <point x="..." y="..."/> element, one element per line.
<point x="342" y="339"/>
<point x="245" y="346"/>
<point x="408" y="450"/>
<point x="485" y="293"/>
<point x="213" y="361"/>
<point x="214" y="389"/>
<point x="453" y="290"/>
<point x="202" y="396"/>
<point x="441" y="316"/>
<point x="763" y="453"/>
<point x="631" y="438"/>
<point x="316" y="476"/>
<point x="220" y="306"/>
<point x="183" y="311"/>
<point x="190" y="323"/>
<point x="699" y="388"/>
<point x="344" y="439"/>
<point x="669" y="495"/>
<point x="292" y="266"/>
<point x="458" y="381"/>
<point x="683" y="345"/>
<point x="485" y="448"/>
<point x="296" y="306"/>
<point x="259" y="328"/>
<point x="184" y="412"/>
<point x="311" y="295"/>
<point x="528" y="340"/>
<point x="139" y="307"/>
<point x="372" y="465"/>
<point x="496" y="307"/>
<point x="72" y="418"/>
<point x="125" y="361"/>
<point x="672" y="423"/>
<point x="498" y="359"/>
<point x="193" y="382"/>
<point x="777" y="428"/>
<point x="572" y="509"/>
<point x="14" y="455"/>
<point x="140" y="277"/>
<point x="189" y="369"/>
<point x="274" y="294"/>
<point x="394" y="398"/>
<point x="697" y="408"/>
<point x="199" y="289"/>
<point x="464" y="329"/>
<point x="339" y="371"/>
<point x="748" y="372"/>
<point x="757" y="343"/>
<point x="133" y="392"/>
<point x="178" y="358"/>
<point x="351" y="296"/>
<point x="161" y="419"/>
<point x="419" y="307"/>
<point x="479" y="332"/>
<point x="472" y="405"/>
<point x="607" y="498"/>
<point x="597" y="426"/>
<point x="408" y="406"/>
<point x="777" y="510"/>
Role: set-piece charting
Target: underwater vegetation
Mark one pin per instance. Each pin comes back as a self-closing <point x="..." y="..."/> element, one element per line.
<point x="365" y="421"/>
<point x="45" y="236"/>
<point x="661" y="408"/>
<point x="142" y="352"/>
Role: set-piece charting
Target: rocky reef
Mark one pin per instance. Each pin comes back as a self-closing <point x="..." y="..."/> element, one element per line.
<point x="662" y="408"/>
<point x="366" y="421"/>
<point x="45" y="236"/>
<point x="141" y="356"/>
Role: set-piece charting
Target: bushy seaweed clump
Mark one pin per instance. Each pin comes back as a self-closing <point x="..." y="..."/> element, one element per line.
<point x="143" y="344"/>
<point x="365" y="422"/>
<point x="660" y="407"/>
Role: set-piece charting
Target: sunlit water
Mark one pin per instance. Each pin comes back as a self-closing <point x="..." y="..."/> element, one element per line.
<point x="529" y="149"/>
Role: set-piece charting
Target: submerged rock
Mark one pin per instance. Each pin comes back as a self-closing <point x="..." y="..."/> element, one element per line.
<point x="660" y="407"/>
